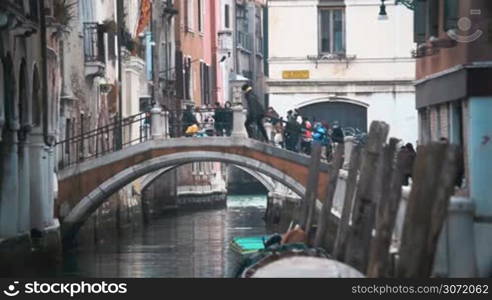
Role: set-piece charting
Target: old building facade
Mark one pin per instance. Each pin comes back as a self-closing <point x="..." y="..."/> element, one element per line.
<point x="454" y="101"/>
<point x="343" y="64"/>
<point x="28" y="131"/>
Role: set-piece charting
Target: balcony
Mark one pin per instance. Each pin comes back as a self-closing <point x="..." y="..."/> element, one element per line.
<point x="13" y="17"/>
<point x="225" y="40"/>
<point x="94" y="50"/>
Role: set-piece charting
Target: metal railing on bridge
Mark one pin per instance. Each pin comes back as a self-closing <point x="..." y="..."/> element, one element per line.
<point x="103" y="140"/>
<point x="139" y="128"/>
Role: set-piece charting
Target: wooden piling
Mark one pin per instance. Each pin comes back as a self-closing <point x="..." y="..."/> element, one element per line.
<point x="364" y="211"/>
<point x="325" y="212"/>
<point x="389" y="196"/>
<point x="348" y="202"/>
<point x="311" y="188"/>
<point x="434" y="175"/>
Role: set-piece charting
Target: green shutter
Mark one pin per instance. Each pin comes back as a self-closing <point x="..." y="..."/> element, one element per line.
<point x="420" y="21"/>
<point x="451" y="11"/>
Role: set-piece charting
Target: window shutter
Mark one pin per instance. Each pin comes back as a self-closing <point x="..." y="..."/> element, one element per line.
<point x="179" y="75"/>
<point x="451" y="11"/>
<point x="187" y="79"/>
<point x="420" y="21"/>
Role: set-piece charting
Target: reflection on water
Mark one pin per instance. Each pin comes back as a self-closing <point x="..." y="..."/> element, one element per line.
<point x="179" y="244"/>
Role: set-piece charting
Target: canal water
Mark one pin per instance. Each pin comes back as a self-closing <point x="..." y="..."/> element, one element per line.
<point x="181" y="244"/>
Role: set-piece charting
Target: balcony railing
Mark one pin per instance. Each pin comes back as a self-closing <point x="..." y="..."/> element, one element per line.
<point x="94" y="50"/>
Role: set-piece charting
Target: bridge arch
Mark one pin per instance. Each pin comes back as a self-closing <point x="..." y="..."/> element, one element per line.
<point x="81" y="212"/>
<point x="85" y="186"/>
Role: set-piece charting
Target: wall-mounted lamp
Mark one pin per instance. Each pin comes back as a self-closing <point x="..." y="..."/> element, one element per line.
<point x="382" y="12"/>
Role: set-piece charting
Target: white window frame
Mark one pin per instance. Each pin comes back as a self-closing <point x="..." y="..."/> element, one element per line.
<point x="191" y="17"/>
<point x="201" y="15"/>
<point x="320" y="30"/>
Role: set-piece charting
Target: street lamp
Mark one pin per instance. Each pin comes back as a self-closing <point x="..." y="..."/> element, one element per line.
<point x="382" y="12"/>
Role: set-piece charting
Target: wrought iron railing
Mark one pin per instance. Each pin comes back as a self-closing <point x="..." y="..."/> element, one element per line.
<point x="94" y="50"/>
<point x="104" y="140"/>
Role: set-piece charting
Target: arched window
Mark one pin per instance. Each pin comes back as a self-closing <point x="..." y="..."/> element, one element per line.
<point x="347" y="113"/>
<point x="23" y="96"/>
<point x="36" y="99"/>
<point x="2" y="96"/>
<point x="9" y="86"/>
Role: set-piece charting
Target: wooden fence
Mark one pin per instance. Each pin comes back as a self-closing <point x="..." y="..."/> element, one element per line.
<point x="371" y="200"/>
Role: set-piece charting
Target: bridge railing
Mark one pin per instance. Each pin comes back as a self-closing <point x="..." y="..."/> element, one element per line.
<point x="103" y="140"/>
<point x="155" y="124"/>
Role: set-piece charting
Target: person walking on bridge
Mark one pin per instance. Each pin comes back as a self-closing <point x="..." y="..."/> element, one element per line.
<point x="256" y="113"/>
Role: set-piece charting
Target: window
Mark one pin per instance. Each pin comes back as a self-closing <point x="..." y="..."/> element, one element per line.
<point x="332" y="30"/>
<point x="428" y="14"/>
<point x="205" y="83"/>
<point x="180" y="71"/>
<point x="226" y="16"/>
<point x="36" y="99"/>
<point x="200" y="15"/>
<point x="242" y="24"/>
<point x="189" y="15"/>
<point x="187" y="79"/>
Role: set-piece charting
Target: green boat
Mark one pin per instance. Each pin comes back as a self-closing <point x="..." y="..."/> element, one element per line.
<point x="242" y="249"/>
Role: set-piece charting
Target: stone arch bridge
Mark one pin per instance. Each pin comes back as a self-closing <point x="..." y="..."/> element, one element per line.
<point x="88" y="185"/>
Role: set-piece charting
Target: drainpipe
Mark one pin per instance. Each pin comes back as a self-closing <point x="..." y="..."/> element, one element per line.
<point x="44" y="69"/>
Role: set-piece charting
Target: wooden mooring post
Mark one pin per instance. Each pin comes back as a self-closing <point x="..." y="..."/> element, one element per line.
<point x="325" y="212"/>
<point x="388" y="198"/>
<point x="309" y="203"/>
<point x="357" y="253"/>
<point x="348" y="203"/>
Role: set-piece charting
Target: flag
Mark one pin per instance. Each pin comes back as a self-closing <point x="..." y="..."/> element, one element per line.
<point x="145" y="14"/>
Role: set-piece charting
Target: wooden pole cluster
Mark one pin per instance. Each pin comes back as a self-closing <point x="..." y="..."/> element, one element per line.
<point x="373" y="193"/>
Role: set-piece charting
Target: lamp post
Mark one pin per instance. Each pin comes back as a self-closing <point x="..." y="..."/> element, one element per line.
<point x="382" y="12"/>
<point x="410" y="4"/>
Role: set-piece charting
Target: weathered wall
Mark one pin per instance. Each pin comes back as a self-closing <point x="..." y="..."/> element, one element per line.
<point x="160" y="195"/>
<point x="377" y="71"/>
<point x="121" y="215"/>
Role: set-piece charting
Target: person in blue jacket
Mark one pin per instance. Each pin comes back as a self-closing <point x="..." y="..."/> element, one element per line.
<point x="320" y="136"/>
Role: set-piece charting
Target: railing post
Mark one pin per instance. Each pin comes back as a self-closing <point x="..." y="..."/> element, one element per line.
<point x="349" y="145"/>
<point x="238" y="111"/>
<point x="165" y="123"/>
<point x="239" y="118"/>
<point x="156" y="123"/>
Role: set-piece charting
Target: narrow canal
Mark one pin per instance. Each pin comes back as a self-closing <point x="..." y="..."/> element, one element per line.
<point x="189" y="244"/>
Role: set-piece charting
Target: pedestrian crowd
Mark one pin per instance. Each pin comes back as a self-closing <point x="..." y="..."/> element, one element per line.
<point x="202" y="122"/>
<point x="293" y="132"/>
